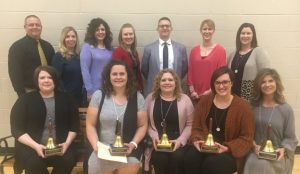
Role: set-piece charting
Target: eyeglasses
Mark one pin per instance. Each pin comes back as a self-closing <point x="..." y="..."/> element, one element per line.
<point x="224" y="83"/>
<point x="164" y="26"/>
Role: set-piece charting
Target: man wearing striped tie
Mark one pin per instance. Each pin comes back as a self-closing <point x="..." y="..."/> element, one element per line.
<point x="26" y="54"/>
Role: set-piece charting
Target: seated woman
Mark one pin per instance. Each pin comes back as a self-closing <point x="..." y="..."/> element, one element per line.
<point x="122" y="103"/>
<point x="232" y="129"/>
<point x="270" y="108"/>
<point x="31" y="116"/>
<point x="168" y="106"/>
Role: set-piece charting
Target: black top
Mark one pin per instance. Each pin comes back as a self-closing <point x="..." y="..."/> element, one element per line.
<point x="237" y="66"/>
<point x="69" y="73"/>
<point x="172" y="121"/>
<point x="23" y="58"/>
<point x="218" y="117"/>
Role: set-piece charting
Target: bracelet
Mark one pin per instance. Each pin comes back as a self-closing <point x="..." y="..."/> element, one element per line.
<point x="135" y="145"/>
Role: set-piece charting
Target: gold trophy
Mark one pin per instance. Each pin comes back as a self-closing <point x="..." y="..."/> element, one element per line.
<point x="51" y="148"/>
<point x="118" y="148"/>
<point x="164" y="144"/>
<point x="267" y="151"/>
<point x="209" y="146"/>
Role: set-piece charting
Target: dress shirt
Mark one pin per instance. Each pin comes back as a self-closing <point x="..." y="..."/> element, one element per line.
<point x="170" y="54"/>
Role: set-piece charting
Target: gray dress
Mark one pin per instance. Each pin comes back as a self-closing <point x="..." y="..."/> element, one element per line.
<point x="107" y="131"/>
<point x="283" y="135"/>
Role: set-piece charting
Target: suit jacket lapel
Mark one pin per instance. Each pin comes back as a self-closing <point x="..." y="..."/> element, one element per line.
<point x="175" y="53"/>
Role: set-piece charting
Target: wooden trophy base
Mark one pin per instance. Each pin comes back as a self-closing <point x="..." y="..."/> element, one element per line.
<point x="165" y="147"/>
<point x="118" y="151"/>
<point x="209" y="149"/>
<point x="268" y="155"/>
<point x="52" y="152"/>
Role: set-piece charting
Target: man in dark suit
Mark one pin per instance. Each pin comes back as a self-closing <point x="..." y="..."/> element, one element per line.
<point x="26" y="54"/>
<point x="163" y="53"/>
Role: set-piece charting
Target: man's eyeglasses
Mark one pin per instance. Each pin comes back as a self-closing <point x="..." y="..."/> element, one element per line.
<point x="224" y="83"/>
<point x="164" y="26"/>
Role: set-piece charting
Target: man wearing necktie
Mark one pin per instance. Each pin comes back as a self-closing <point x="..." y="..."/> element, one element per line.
<point x="26" y="54"/>
<point x="163" y="53"/>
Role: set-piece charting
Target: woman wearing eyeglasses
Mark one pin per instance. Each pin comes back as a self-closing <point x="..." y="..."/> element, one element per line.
<point x="232" y="129"/>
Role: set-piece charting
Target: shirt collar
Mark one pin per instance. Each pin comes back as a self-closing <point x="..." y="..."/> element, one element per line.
<point x="161" y="42"/>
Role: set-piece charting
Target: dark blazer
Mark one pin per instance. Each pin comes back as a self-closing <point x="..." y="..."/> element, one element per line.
<point x="151" y="64"/>
<point x="28" y="116"/>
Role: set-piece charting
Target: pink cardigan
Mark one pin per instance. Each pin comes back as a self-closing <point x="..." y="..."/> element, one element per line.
<point x="185" y="114"/>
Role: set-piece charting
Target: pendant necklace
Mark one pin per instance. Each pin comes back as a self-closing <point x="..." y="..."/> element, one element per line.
<point x="117" y="131"/>
<point x="163" y="117"/>
<point x="269" y="120"/>
<point x="218" y="122"/>
<point x="238" y="62"/>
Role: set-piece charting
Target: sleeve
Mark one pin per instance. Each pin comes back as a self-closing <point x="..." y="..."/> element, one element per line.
<point x="184" y="62"/>
<point x="242" y="144"/>
<point x="96" y="98"/>
<point x="262" y="59"/>
<point x="15" y="57"/>
<point x="152" y="132"/>
<point x="189" y="113"/>
<point x="86" y="63"/>
<point x="190" y="69"/>
<point x="74" y="116"/>
<point x="198" y="129"/>
<point x="141" y="103"/>
<point x="145" y="62"/>
<point x="18" y="118"/>
<point x="222" y="57"/>
<point x="58" y="64"/>
<point x="289" y="141"/>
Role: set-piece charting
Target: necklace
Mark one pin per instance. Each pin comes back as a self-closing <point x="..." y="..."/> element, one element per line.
<point x="116" y="112"/>
<point x="237" y="63"/>
<point x="218" y="122"/>
<point x="163" y="117"/>
<point x="269" y="120"/>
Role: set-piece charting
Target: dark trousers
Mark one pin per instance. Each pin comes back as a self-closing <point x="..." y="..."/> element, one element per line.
<point x="61" y="164"/>
<point x="196" y="162"/>
<point x="168" y="163"/>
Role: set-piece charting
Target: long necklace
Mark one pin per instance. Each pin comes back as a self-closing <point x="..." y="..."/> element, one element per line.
<point x="218" y="122"/>
<point x="117" y="131"/>
<point x="163" y="117"/>
<point x="269" y="120"/>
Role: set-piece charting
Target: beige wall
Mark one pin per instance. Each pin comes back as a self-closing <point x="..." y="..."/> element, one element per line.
<point x="277" y="23"/>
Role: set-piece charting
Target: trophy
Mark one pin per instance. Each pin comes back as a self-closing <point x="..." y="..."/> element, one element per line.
<point x="268" y="152"/>
<point x="51" y="148"/>
<point x="118" y="148"/>
<point x="164" y="144"/>
<point x="209" y="146"/>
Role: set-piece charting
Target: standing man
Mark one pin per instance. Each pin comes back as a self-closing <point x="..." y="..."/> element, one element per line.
<point x="163" y="53"/>
<point x="27" y="54"/>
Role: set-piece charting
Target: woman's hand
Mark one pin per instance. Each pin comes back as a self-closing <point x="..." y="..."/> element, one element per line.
<point x="256" y="148"/>
<point x="222" y="148"/>
<point x="177" y="144"/>
<point x="64" y="146"/>
<point x="280" y="152"/>
<point x="155" y="141"/>
<point x="130" y="148"/>
<point x="198" y="144"/>
<point x="194" y="95"/>
<point x="40" y="150"/>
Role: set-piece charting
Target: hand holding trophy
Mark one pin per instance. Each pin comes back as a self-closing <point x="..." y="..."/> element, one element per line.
<point x="51" y="148"/>
<point x="267" y="151"/>
<point x="118" y="148"/>
<point x="209" y="146"/>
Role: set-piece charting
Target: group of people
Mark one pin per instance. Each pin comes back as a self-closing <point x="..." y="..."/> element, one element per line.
<point x="238" y="97"/>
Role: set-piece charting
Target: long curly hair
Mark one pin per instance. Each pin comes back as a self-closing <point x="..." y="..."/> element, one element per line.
<point x="257" y="93"/>
<point x="106" y="83"/>
<point x="93" y="27"/>
<point x="156" y="85"/>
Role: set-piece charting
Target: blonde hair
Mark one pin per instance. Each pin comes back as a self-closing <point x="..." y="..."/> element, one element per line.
<point x="121" y="43"/>
<point x="156" y="85"/>
<point x="62" y="46"/>
<point x="209" y="22"/>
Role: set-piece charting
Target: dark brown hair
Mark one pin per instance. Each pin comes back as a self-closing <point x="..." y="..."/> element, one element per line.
<point x="254" y="39"/>
<point x="48" y="69"/>
<point x="217" y="73"/>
